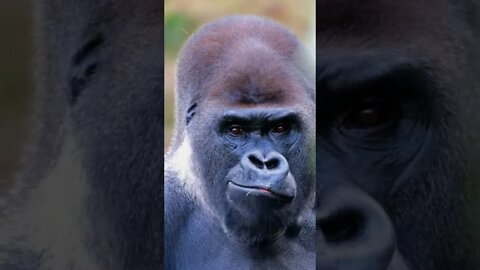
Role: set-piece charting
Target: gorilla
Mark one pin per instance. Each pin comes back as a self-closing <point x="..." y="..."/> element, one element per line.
<point x="90" y="195"/>
<point x="239" y="177"/>
<point x="397" y="134"/>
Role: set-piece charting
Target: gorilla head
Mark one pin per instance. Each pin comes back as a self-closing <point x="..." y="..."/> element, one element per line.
<point x="245" y="108"/>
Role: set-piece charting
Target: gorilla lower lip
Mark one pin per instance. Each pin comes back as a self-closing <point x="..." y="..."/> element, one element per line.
<point x="264" y="190"/>
<point x="260" y="191"/>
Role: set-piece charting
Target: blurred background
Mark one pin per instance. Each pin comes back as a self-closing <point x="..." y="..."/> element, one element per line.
<point x="183" y="17"/>
<point x="15" y="82"/>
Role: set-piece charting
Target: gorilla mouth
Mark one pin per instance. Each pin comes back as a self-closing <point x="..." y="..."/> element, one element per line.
<point x="259" y="191"/>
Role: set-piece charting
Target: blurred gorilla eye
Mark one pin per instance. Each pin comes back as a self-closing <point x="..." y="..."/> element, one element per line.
<point x="369" y="115"/>
<point x="281" y="128"/>
<point x="236" y="130"/>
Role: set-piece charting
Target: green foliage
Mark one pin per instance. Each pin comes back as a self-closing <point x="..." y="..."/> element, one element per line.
<point x="178" y="26"/>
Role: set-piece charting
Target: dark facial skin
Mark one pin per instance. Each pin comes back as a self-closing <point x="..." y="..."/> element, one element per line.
<point x="369" y="134"/>
<point x="259" y="188"/>
<point x="262" y="186"/>
<point x="258" y="185"/>
<point x="392" y="77"/>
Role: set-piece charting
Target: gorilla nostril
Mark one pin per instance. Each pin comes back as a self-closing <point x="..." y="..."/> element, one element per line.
<point x="342" y="226"/>
<point x="256" y="161"/>
<point x="272" y="163"/>
<point x="355" y="231"/>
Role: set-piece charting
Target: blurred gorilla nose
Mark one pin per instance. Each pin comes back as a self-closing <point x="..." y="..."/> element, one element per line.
<point x="353" y="232"/>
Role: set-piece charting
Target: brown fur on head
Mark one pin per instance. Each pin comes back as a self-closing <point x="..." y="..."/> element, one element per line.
<point x="244" y="49"/>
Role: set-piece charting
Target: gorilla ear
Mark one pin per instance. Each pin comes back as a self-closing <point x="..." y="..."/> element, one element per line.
<point x="190" y="113"/>
<point x="84" y="64"/>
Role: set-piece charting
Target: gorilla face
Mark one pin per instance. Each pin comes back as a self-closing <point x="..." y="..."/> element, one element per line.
<point x="391" y="137"/>
<point x="376" y="126"/>
<point x="378" y="131"/>
<point x="256" y="169"/>
<point x="252" y="146"/>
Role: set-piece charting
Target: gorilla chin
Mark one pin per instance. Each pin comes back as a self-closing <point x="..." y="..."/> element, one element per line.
<point x="259" y="212"/>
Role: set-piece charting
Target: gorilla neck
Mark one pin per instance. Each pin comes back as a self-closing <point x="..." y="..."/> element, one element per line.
<point x="205" y="247"/>
<point x="179" y="161"/>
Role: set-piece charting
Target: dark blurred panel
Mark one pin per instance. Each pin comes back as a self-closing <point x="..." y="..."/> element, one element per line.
<point x="16" y="52"/>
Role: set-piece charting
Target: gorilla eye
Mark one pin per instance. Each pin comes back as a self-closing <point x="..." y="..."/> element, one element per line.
<point x="236" y="130"/>
<point x="281" y="128"/>
<point x="369" y="116"/>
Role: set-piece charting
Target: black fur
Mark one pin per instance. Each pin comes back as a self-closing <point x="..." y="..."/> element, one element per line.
<point x="91" y="192"/>
<point x="417" y="64"/>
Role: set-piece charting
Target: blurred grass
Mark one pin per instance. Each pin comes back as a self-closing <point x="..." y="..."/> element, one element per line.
<point x="183" y="17"/>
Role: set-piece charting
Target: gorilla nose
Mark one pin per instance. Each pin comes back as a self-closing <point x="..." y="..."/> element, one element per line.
<point x="265" y="176"/>
<point x="353" y="232"/>
<point x="272" y="164"/>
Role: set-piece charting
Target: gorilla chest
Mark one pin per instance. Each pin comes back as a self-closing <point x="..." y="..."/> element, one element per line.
<point x="202" y="245"/>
